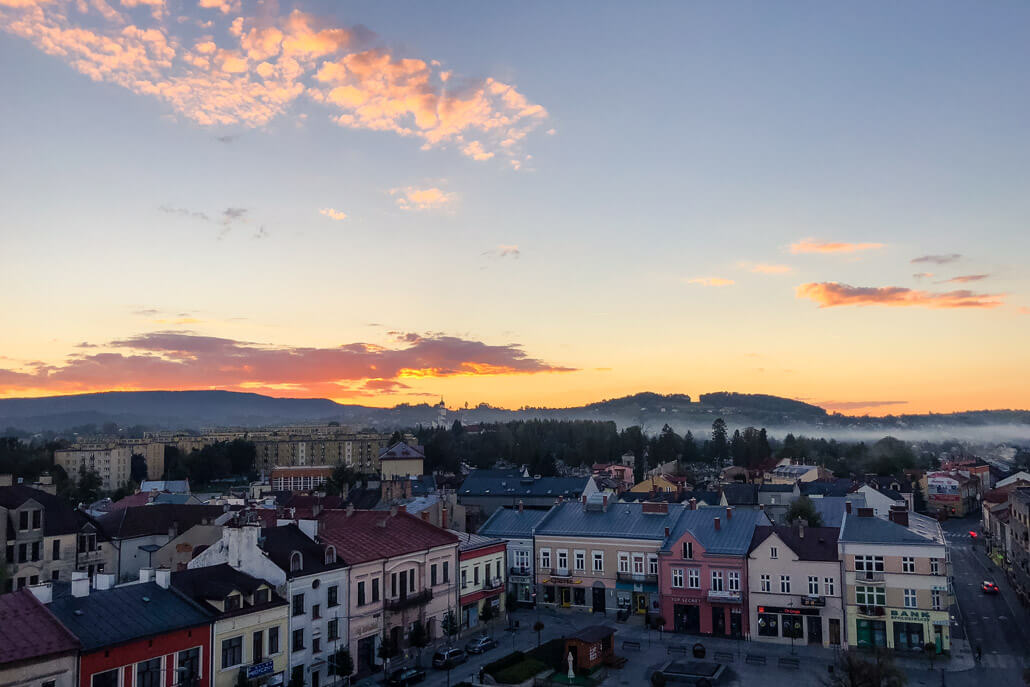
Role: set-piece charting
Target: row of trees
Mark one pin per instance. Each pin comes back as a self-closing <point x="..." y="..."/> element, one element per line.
<point x="220" y="460"/>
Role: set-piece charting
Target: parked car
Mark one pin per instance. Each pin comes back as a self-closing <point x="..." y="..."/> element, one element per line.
<point x="480" y="644"/>
<point x="448" y="658"/>
<point x="989" y="587"/>
<point x="404" y="677"/>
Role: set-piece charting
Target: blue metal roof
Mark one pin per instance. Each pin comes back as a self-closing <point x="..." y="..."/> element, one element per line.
<point x="619" y="520"/>
<point x="733" y="536"/>
<point x="125" y="613"/>
<point x="512" y="484"/>
<point x="873" y="530"/>
<point x="831" y="508"/>
<point x="509" y="523"/>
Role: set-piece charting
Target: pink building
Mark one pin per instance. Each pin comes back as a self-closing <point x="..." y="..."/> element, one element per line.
<point x="702" y="571"/>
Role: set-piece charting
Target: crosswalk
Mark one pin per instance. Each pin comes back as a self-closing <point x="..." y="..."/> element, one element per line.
<point x="1001" y="661"/>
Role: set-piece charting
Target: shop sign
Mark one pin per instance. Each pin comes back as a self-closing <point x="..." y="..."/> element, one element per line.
<point x="259" y="669"/>
<point x="693" y="601"/>
<point x="787" y="610"/>
<point x="366" y="629"/>
<point x="910" y="615"/>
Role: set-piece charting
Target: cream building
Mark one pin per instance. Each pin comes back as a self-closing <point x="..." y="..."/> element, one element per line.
<point x="401" y="461"/>
<point x="37" y="649"/>
<point x="112" y="462"/>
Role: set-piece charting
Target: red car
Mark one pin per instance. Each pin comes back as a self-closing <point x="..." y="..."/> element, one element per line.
<point x="989" y="587"/>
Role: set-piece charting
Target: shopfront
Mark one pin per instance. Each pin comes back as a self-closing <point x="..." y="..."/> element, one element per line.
<point x="637" y="597"/>
<point x="790" y="623"/>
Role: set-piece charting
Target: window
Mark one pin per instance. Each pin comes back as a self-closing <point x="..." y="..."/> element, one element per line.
<point x="273" y="640"/>
<point x="623" y="562"/>
<point x="652" y="564"/>
<point x="316" y="679"/>
<point x="37" y="550"/>
<point x="869" y="563"/>
<point x="108" y="678"/>
<point x="334" y="629"/>
<point x="48" y="683"/>
<point x="598" y="561"/>
<point x="375" y="590"/>
<point x="766" y="583"/>
<point x="316" y="645"/>
<point x="677" y="577"/>
<point x="733" y="579"/>
<point x="446" y="571"/>
<point x="411" y="580"/>
<point x="768" y="624"/>
<point x="34" y="580"/>
<point x="870" y="596"/>
<point x="189" y="664"/>
<point x="232" y="602"/>
<point x="464" y="578"/>
<point x="693" y="578"/>
<point x="232" y="652"/>
<point x="638" y="564"/>
<point x="393" y="584"/>
<point x="55" y="575"/>
<point x="298" y="604"/>
<point x="23" y="520"/>
<point x="935" y="566"/>
<point x="10" y="553"/>
<point x="316" y="611"/>
<point x="813" y="585"/>
<point x="257" y="647"/>
<point x="773" y="552"/>
<point x="432" y="575"/>
<point x="784" y="584"/>
<point x="37" y="517"/>
<point x="475" y="569"/>
<point x="522" y="559"/>
<point x="298" y="639"/>
<point x="57" y="550"/>
<point x="688" y="549"/>
<point x="581" y="560"/>
<point x="935" y="599"/>
<point x="717" y="581"/>
<point x="361" y="593"/>
<point x="330" y="556"/>
<point x="148" y="674"/>
<point x="908" y="564"/>
<point x="563" y="559"/>
<point x="910" y="598"/>
<point x="545" y="559"/>
<point x="296" y="562"/>
<point x="332" y="596"/>
<point x="261" y="596"/>
<point x="23" y="553"/>
<point x="828" y="585"/>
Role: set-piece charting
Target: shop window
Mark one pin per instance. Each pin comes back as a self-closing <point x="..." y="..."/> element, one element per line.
<point x="579" y="596"/>
<point x="108" y="678"/>
<point x="768" y="625"/>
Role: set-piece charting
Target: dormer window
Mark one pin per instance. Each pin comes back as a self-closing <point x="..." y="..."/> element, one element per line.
<point x="330" y="555"/>
<point x="261" y="596"/>
<point x="233" y="602"/>
<point x="688" y="549"/>
<point x="296" y="562"/>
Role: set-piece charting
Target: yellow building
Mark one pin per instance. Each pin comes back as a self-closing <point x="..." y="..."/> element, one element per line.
<point x="250" y="628"/>
<point x="660" y="483"/>
<point x="111" y="461"/>
<point x="401" y="460"/>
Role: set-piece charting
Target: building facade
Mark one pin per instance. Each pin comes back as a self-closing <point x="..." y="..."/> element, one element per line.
<point x="951" y="493"/>
<point x="481" y="576"/>
<point x="111" y="461"/>
<point x="35" y="649"/>
<point x="516" y="526"/>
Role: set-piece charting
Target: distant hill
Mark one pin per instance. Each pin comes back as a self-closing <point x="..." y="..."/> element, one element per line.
<point x="199" y="409"/>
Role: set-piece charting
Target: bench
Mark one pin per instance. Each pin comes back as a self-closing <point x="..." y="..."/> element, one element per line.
<point x="674" y="649"/>
<point x="615" y="661"/>
<point x="723" y="656"/>
<point x="635" y="646"/>
<point x="754" y="660"/>
<point x="792" y="663"/>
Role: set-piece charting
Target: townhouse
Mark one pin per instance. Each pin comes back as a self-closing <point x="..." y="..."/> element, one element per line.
<point x="515" y="526"/>
<point x="600" y="556"/>
<point x="951" y="493"/>
<point x="794" y="585"/>
<point x="35" y="648"/>
<point x="402" y="570"/>
<point x="249" y="637"/>
<point x="487" y="490"/>
<point x="896" y="581"/>
<point x="481" y="574"/>
<point x="1019" y="536"/>
<point x="703" y="570"/>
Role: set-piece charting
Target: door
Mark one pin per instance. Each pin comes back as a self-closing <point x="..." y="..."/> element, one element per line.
<point x="566" y="596"/>
<point x="692" y="619"/>
<point x="835" y="631"/>
<point x="736" y="624"/>
<point x="718" y="621"/>
<point x="640" y="602"/>
<point x="366" y="654"/>
<point x="598" y="600"/>
<point x="815" y="629"/>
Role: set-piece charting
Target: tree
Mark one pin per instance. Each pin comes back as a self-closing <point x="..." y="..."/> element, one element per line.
<point x="87" y="487"/>
<point x="341" y="663"/>
<point x="667" y="446"/>
<point x="296" y="677"/>
<point x="720" y="448"/>
<point x="691" y="454"/>
<point x="487" y="614"/>
<point x="449" y="624"/>
<point x="804" y="508"/>
<point x="138" y="467"/>
<point x="538" y="627"/>
<point x="855" y="670"/>
<point x="387" y="648"/>
<point x="418" y="637"/>
<point x="340" y="480"/>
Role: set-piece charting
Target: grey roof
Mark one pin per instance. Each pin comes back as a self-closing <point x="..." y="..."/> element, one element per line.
<point x="509" y="523"/>
<point x="509" y="483"/>
<point x="733" y="537"/>
<point x="873" y="530"/>
<point x="741" y="494"/>
<point x="836" y="487"/>
<point x="619" y="520"/>
<point x="175" y="486"/>
<point x="776" y="487"/>
<point x="172" y="498"/>
<point x="125" y="613"/>
<point x="793" y="470"/>
<point x="468" y="541"/>
<point x="422" y="485"/>
<point x="831" y="508"/>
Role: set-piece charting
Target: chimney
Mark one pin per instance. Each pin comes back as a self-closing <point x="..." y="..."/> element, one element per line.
<point x="717" y="525"/>
<point x="693" y="503"/>
<point x="44" y="593"/>
<point x="584" y="498"/>
<point x="164" y="578"/>
<point x="520" y="503"/>
<point x="80" y="584"/>
<point x="666" y="531"/>
<point x="103" y="581"/>
<point x="801" y="528"/>
<point x="443" y="517"/>
<point x="146" y="574"/>
<point x="899" y="514"/>
<point x="865" y="512"/>
<point x="729" y="513"/>
<point x="847" y="507"/>
<point x="604" y="502"/>
<point x="425" y="516"/>
<point x="350" y="509"/>
<point x="402" y="508"/>
<point x="761" y="506"/>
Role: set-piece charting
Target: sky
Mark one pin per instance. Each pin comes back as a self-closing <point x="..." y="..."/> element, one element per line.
<point x="520" y="204"/>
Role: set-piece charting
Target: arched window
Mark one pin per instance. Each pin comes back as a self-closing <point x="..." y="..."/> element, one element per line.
<point x="296" y="561"/>
<point x="330" y="555"/>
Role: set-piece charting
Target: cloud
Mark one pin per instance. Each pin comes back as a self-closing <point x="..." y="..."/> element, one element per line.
<point x="1023" y="310"/>
<point x="183" y="212"/>
<point x="922" y="275"/>
<point x="230" y="215"/>
<point x="710" y="281"/>
<point x="965" y="279"/>
<point x="333" y="213"/>
<point x="504" y="251"/>
<point x="413" y="198"/>
<point x="832" y="294"/>
<point x="814" y="246"/>
<point x="857" y="405"/>
<point x="187" y="360"/>
<point x="250" y="66"/>
<point x="226" y="139"/>
<point x="937" y="259"/>
<point x="765" y="268"/>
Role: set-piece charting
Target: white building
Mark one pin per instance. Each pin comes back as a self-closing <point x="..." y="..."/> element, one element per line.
<point x="515" y="526"/>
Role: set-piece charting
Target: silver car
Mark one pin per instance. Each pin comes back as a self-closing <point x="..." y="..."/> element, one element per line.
<point x="480" y="644"/>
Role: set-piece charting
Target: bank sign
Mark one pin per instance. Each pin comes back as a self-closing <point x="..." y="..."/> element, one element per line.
<point x="910" y="615"/>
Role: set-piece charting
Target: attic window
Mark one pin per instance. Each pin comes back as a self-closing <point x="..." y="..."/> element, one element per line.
<point x="330" y="555"/>
<point x="296" y="562"/>
<point x="232" y="602"/>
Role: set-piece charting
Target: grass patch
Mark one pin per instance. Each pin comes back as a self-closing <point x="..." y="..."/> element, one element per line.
<point x="520" y="672"/>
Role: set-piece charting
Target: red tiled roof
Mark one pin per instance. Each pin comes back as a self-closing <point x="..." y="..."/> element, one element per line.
<point x="368" y="535"/>
<point x="29" y="630"/>
<point x="140" y="499"/>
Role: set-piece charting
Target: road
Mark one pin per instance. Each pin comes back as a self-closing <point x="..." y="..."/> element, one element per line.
<point x="995" y="622"/>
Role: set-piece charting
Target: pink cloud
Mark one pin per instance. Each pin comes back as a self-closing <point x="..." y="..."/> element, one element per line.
<point x="965" y="279"/>
<point x="833" y="294"/>
<point x="814" y="246"/>
<point x="710" y="281"/>
<point x="414" y="198"/>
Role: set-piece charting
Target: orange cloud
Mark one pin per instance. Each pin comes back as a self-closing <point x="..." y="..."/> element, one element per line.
<point x="766" y="268"/>
<point x="965" y="279"/>
<point x="413" y="198"/>
<point x="258" y="68"/>
<point x="815" y="246"/>
<point x="333" y="213"/>
<point x="832" y="294"/>
<point x="710" y="281"/>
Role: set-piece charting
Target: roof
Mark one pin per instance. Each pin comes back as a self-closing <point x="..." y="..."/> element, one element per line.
<point x="593" y="633"/>
<point x="620" y="520"/>
<point x="741" y="494"/>
<point x="175" y="486"/>
<point x="368" y="535"/>
<point x="817" y="544"/>
<point x="279" y="543"/>
<point x="510" y="523"/>
<point x="784" y="488"/>
<point x="141" y="521"/>
<point x="470" y="542"/>
<point x="793" y="470"/>
<point x="831" y="487"/>
<point x="125" y="613"/>
<point x="58" y="518"/>
<point x="733" y="538"/>
<point x="28" y="630"/>
<point x="831" y="509"/>
<point x="423" y="484"/>
<point x="873" y="530"/>
<point x="402" y="451"/>
<point x="364" y="499"/>
<point x="510" y="483"/>
<point x="216" y="582"/>
<point x="172" y="498"/>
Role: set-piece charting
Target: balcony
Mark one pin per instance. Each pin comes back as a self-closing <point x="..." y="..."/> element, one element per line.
<point x="724" y="596"/>
<point x="89" y="557"/>
<point x="637" y="578"/>
<point x="868" y="576"/>
<point x="492" y="583"/>
<point x="813" y="600"/>
<point x="402" y="603"/>
<point x="520" y="572"/>
<point x="875" y="611"/>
